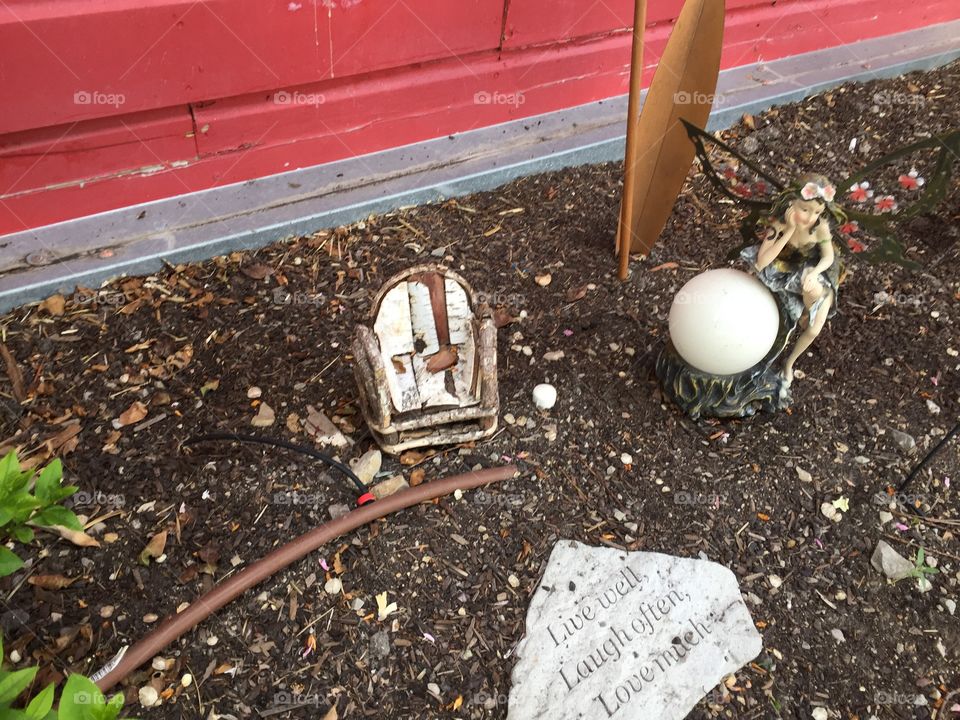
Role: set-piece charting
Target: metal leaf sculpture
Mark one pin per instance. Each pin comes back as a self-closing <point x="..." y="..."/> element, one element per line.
<point x="659" y="152"/>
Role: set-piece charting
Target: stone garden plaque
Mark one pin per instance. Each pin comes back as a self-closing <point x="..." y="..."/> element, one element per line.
<point x="632" y="636"/>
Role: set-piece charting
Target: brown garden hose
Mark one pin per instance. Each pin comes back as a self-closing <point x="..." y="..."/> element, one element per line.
<point x="176" y="625"/>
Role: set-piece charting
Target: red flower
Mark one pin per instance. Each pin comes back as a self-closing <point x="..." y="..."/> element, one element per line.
<point x="860" y="191"/>
<point x="850" y="227"/>
<point x="885" y="203"/>
<point x="912" y="180"/>
<point x="855" y="245"/>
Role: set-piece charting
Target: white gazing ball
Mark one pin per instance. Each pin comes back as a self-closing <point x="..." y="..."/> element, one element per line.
<point x="724" y="321"/>
<point x="545" y="396"/>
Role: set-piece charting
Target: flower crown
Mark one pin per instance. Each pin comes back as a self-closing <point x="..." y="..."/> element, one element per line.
<point x="814" y="190"/>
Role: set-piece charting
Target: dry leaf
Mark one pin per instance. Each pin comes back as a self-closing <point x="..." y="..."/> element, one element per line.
<point x="502" y="317"/>
<point x="265" y="416"/>
<point x="416" y="476"/>
<point x="181" y="358"/>
<point x="384" y="610"/>
<point x="257" y="271"/>
<point x="154" y="548"/>
<point x="51" y="582"/>
<point x="331" y="714"/>
<point x="293" y="423"/>
<point x="77" y="537"/>
<point x="576" y="293"/>
<point x="55" y="305"/>
<point x="412" y="457"/>
<point x="13" y="372"/>
<point x="133" y="414"/>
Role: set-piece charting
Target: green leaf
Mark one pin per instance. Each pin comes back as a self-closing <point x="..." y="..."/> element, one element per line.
<point x="41" y="704"/>
<point x="79" y="699"/>
<point x="113" y="707"/>
<point x="57" y="515"/>
<point x="49" y="482"/>
<point x="9" y="562"/>
<point x="21" y="533"/>
<point x="15" y="683"/>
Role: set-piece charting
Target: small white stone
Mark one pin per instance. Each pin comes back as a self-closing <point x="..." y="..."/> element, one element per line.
<point x="951" y="605"/>
<point x="933" y="407"/>
<point x="212" y="640"/>
<point x="254" y="392"/>
<point x="838" y="635"/>
<point x="545" y="396"/>
<point x="626" y="458"/>
<point x="333" y="586"/>
<point x="16" y="657"/>
<point x="513" y="581"/>
<point x="187" y="680"/>
<point x="149" y="696"/>
<point x="458" y="494"/>
<point x="885" y="517"/>
<point x="820" y="714"/>
<point x="775" y="581"/>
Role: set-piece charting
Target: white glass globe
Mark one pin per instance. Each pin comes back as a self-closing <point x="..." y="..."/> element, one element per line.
<point x="723" y="321"/>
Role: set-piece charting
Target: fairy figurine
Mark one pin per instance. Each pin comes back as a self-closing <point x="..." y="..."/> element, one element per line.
<point x="797" y="225"/>
<point x="797" y="259"/>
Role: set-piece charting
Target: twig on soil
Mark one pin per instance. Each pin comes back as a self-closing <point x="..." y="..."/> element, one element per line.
<point x="13" y="372"/>
<point x="314" y="622"/>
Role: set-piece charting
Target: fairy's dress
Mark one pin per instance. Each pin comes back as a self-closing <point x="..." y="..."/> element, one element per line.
<point x="784" y="277"/>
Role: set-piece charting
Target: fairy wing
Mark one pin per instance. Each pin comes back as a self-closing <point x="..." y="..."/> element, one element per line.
<point x="736" y="177"/>
<point x="904" y="195"/>
<point x="740" y="179"/>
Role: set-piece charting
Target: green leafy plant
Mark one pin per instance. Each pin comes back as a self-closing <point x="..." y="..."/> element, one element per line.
<point x="15" y="682"/>
<point x="21" y="509"/>
<point x="81" y="698"/>
<point x="921" y="569"/>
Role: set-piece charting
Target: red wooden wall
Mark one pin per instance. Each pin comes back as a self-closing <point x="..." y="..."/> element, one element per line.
<point x="107" y="103"/>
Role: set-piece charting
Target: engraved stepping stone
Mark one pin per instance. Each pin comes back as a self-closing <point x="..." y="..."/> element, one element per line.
<point x="613" y="634"/>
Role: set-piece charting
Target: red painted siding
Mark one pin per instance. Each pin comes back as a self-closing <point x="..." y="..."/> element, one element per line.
<point x="113" y="102"/>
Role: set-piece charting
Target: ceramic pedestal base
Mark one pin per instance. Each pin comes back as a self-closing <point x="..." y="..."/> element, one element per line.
<point x="697" y="393"/>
